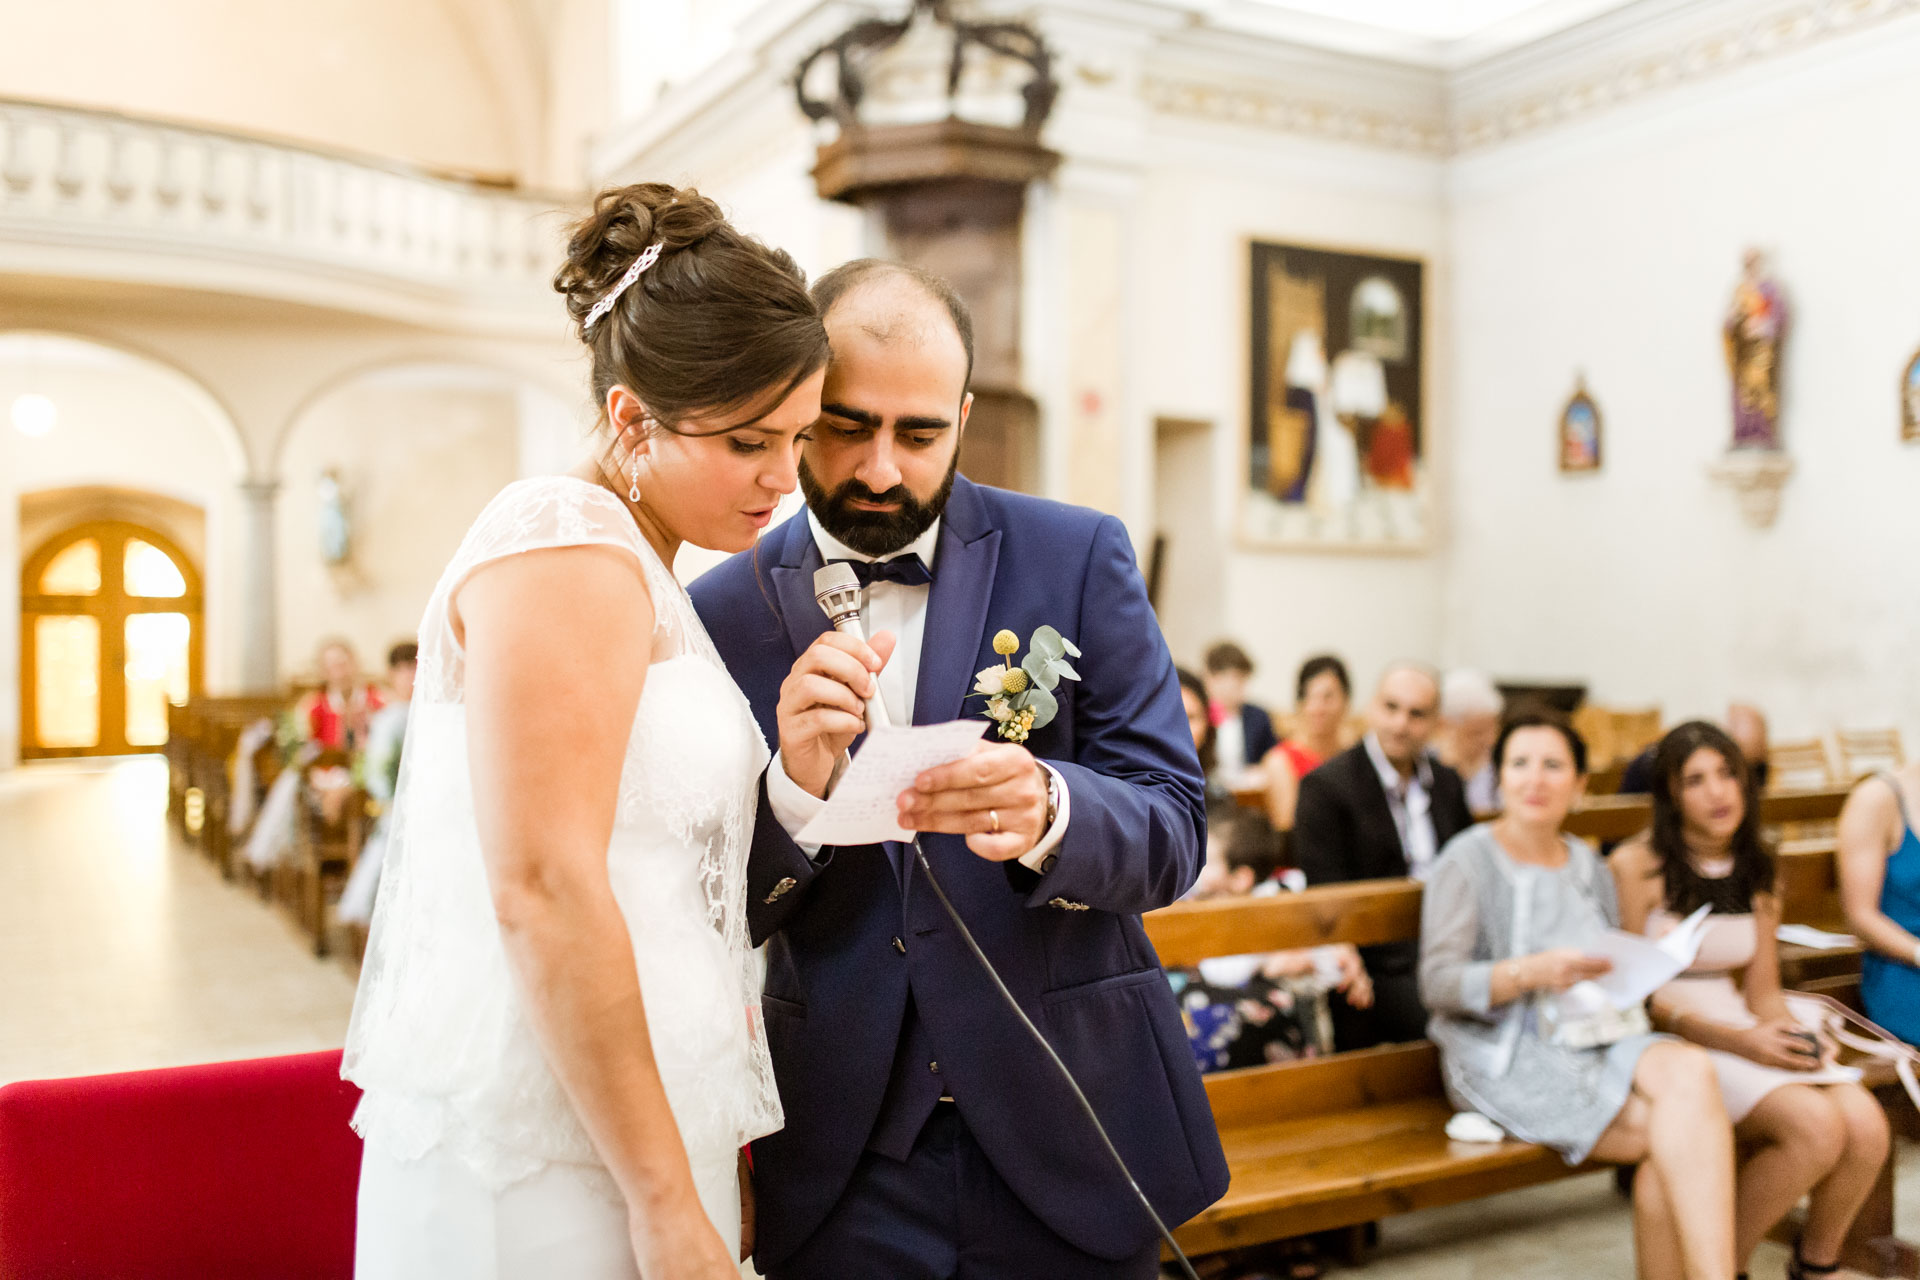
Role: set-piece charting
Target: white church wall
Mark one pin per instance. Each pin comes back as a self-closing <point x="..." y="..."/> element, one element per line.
<point x="419" y="453"/>
<point x="370" y="76"/>
<point x="1612" y="247"/>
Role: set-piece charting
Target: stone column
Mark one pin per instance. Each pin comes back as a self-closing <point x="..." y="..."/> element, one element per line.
<point x="260" y="632"/>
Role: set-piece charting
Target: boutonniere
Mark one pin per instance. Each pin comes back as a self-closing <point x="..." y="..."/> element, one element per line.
<point x="1020" y="699"/>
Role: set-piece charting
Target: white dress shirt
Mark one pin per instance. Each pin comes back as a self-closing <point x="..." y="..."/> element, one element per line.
<point x="901" y="609"/>
<point x="1411" y="800"/>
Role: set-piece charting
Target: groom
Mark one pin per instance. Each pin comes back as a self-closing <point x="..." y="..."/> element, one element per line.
<point x="926" y="1134"/>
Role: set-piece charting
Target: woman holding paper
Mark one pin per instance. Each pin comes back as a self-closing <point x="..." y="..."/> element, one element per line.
<point x="1809" y="1128"/>
<point x="1511" y="911"/>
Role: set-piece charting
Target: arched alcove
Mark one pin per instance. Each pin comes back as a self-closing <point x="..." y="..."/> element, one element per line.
<point x="103" y="420"/>
<point x="382" y="471"/>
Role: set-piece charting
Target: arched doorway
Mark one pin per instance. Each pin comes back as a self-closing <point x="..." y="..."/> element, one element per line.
<point x="111" y="632"/>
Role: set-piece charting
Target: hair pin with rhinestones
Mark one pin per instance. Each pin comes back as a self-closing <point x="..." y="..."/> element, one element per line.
<point x="600" y="308"/>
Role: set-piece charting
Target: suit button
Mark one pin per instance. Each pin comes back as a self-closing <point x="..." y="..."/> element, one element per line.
<point x="900" y="946"/>
<point x="934" y="1067"/>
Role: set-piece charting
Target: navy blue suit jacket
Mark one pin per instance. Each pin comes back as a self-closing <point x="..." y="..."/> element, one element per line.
<point x="1069" y="944"/>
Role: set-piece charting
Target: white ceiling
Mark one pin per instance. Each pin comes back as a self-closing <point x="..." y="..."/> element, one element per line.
<point x="1441" y="33"/>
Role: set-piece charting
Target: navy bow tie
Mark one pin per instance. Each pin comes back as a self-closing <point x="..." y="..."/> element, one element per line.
<point x="907" y="570"/>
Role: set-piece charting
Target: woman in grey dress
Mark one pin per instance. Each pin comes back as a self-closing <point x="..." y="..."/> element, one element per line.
<point x="1509" y="909"/>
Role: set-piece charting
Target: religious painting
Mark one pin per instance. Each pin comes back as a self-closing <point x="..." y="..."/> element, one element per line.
<point x="1337" y="453"/>
<point x="1910" y="400"/>
<point x="1580" y="432"/>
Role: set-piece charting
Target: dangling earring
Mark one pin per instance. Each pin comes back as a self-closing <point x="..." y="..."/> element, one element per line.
<point x="633" y="474"/>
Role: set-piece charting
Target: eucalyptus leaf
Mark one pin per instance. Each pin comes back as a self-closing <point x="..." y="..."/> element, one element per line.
<point x="1073" y="650"/>
<point x="1045" y="707"/>
<point x="1065" y="668"/>
<point x="1048" y="644"/>
<point x="1043" y="670"/>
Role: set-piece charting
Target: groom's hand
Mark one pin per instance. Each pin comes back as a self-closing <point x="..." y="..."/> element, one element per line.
<point x="822" y="706"/>
<point x="1000" y="785"/>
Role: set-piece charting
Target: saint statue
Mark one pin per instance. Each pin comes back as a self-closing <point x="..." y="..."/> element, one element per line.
<point x="1756" y="323"/>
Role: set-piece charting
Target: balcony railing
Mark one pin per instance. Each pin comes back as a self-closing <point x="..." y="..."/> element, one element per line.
<point x="77" y="178"/>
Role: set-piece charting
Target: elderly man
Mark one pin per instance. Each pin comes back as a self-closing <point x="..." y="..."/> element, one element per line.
<point x="1470" y="710"/>
<point x="1381" y="809"/>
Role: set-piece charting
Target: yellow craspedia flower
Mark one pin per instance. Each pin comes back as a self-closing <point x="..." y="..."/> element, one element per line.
<point x="1006" y="644"/>
<point x="1014" y="681"/>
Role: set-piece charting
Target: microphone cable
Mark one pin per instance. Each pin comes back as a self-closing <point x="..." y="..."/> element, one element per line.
<point x="1000" y="985"/>
<point x="837" y="590"/>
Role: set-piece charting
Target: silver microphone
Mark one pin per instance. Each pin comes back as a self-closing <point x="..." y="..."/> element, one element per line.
<point x="837" y="589"/>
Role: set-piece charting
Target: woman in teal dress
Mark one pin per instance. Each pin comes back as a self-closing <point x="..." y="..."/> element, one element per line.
<point x="1880" y="888"/>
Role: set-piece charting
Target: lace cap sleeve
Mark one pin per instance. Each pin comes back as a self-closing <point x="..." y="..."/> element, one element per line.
<point x="532" y="515"/>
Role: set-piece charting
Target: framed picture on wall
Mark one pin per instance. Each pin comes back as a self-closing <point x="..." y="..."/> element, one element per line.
<point x="1580" y="432"/>
<point x="1910" y="400"/>
<point x="1337" y="438"/>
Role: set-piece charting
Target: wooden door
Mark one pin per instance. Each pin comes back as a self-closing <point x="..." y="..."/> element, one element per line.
<point x="111" y="631"/>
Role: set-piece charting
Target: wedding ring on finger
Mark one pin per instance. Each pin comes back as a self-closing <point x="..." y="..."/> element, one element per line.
<point x="993" y="816"/>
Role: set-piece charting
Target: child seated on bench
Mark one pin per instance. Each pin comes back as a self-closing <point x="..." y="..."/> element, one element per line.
<point x="1242" y="1011"/>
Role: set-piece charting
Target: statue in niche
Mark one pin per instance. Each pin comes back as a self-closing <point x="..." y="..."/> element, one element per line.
<point x="1756" y="324"/>
<point x="1910" y="400"/>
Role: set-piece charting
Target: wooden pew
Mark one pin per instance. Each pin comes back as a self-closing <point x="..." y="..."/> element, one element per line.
<point x="1335" y="1142"/>
<point x="327" y="843"/>
<point x="214" y="727"/>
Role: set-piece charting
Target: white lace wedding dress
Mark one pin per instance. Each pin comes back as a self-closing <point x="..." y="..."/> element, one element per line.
<point x="475" y="1164"/>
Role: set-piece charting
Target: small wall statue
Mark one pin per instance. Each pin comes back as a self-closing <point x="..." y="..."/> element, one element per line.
<point x="1756" y="324"/>
<point x="1910" y="400"/>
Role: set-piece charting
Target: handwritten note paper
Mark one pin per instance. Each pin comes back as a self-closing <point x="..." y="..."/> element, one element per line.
<point x="864" y="806"/>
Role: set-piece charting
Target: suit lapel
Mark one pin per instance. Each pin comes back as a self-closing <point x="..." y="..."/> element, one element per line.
<point x="792" y="580"/>
<point x="957" y="606"/>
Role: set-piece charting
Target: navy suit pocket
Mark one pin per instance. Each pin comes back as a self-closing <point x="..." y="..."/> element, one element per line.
<point x="1082" y="990"/>
<point x="1122" y="1038"/>
<point x="781" y="1006"/>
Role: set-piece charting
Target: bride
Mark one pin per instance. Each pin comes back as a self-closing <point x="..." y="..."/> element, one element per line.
<point x="558" y="1027"/>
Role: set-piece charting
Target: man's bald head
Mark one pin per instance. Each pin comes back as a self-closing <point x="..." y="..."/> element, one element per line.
<point x="1405" y="708"/>
<point x="895" y="303"/>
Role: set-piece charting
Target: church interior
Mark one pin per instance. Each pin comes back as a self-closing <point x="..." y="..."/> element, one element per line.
<point x="1572" y="346"/>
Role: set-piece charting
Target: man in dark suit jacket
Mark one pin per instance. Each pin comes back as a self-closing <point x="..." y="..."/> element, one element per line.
<point x="1382" y="809"/>
<point x="926" y="1134"/>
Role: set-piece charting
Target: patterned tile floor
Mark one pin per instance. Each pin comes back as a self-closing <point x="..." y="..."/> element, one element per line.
<point x="120" y="948"/>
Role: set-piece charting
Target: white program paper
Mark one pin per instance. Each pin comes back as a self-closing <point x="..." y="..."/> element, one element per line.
<point x="1642" y="966"/>
<point x="1819" y="939"/>
<point x="864" y="807"/>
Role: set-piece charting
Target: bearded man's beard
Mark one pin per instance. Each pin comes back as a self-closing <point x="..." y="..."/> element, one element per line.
<point x="875" y="533"/>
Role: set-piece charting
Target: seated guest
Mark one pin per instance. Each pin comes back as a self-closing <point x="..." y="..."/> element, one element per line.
<point x="1246" y="730"/>
<point x="1382" y="809"/>
<point x="1880" y="889"/>
<point x="1193" y="695"/>
<point x="1470" y="709"/>
<point x="386" y="734"/>
<point x="1805" y="1131"/>
<point x="1322" y="694"/>
<point x="1244" y="1010"/>
<point x="335" y="716"/>
<point x="1744" y="724"/>
<point x="1509" y="913"/>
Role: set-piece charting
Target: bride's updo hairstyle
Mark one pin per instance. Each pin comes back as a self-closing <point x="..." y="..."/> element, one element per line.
<point x="717" y="322"/>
